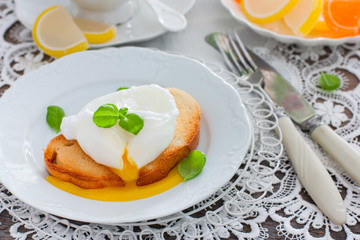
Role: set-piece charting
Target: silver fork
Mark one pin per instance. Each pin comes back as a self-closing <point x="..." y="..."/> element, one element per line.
<point x="239" y="61"/>
<point x="311" y="172"/>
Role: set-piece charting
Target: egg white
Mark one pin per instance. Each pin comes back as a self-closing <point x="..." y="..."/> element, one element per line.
<point x="107" y="145"/>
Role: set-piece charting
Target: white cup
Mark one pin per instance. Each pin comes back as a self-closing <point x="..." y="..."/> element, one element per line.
<point x="107" y="11"/>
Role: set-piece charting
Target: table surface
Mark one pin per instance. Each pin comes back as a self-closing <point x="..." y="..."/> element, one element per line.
<point x="190" y="43"/>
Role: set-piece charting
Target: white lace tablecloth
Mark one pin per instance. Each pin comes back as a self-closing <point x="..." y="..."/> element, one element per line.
<point x="264" y="199"/>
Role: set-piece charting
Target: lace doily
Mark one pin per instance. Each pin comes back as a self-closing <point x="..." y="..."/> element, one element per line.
<point x="265" y="188"/>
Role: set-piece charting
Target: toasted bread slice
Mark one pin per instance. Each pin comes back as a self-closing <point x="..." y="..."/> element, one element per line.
<point x="186" y="138"/>
<point x="65" y="160"/>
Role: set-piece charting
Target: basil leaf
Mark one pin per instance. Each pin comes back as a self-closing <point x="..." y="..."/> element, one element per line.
<point x="132" y="123"/>
<point x="122" y="88"/>
<point x="54" y="117"/>
<point x="106" y="115"/>
<point x="329" y="82"/>
<point x="192" y="165"/>
<point x="122" y="112"/>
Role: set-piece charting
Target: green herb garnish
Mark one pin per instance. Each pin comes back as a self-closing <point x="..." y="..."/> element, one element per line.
<point x="107" y="116"/>
<point x="329" y="82"/>
<point x="192" y="165"/>
<point x="122" y="88"/>
<point x="54" y="117"/>
<point x="132" y="123"/>
<point x="123" y="112"/>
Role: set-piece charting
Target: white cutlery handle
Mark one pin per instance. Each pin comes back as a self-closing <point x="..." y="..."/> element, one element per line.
<point x="339" y="150"/>
<point x="312" y="173"/>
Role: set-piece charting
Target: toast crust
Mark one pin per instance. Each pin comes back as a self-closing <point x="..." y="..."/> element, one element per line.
<point x="65" y="160"/>
<point x="186" y="138"/>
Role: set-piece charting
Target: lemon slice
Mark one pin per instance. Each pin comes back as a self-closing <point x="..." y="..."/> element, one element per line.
<point x="321" y="24"/>
<point x="304" y="16"/>
<point x="278" y="26"/>
<point x="266" y="11"/>
<point x="95" y="32"/>
<point x="56" y="33"/>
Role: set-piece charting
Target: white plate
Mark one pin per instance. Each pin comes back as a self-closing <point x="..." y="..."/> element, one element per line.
<point x="142" y="26"/>
<point x="71" y="82"/>
<point x="233" y="7"/>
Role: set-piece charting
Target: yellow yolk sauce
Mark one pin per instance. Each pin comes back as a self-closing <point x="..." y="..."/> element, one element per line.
<point x="130" y="170"/>
<point x="130" y="192"/>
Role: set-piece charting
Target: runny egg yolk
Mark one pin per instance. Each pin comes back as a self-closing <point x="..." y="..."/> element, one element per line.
<point x="129" y="192"/>
<point x="130" y="170"/>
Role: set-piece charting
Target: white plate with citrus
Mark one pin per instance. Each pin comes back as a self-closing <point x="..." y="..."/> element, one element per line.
<point x="74" y="80"/>
<point x="296" y="21"/>
<point x="143" y="25"/>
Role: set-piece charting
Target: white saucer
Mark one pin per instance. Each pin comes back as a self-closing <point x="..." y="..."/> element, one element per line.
<point x="142" y="26"/>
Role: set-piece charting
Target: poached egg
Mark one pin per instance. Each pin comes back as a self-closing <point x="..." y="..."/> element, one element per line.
<point x="122" y="151"/>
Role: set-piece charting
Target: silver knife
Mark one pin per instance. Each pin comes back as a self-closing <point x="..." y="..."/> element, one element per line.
<point x="312" y="174"/>
<point x="302" y="113"/>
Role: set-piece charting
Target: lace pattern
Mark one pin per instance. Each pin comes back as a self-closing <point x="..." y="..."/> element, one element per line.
<point x="265" y="186"/>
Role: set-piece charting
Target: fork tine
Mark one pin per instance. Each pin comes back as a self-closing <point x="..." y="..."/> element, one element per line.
<point x="239" y="55"/>
<point x="231" y="64"/>
<point x="234" y="55"/>
<point x="248" y="58"/>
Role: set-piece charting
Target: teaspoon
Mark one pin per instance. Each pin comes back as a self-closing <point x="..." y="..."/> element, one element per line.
<point x="169" y="18"/>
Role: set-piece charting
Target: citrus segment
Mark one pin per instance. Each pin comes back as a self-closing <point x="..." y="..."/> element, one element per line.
<point x="95" y="32"/>
<point x="321" y="24"/>
<point x="322" y="29"/>
<point x="265" y="11"/>
<point x="315" y="33"/>
<point x="343" y="16"/>
<point x="304" y="16"/>
<point x="278" y="26"/>
<point x="56" y="33"/>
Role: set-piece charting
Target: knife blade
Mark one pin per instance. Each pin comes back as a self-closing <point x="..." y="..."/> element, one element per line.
<point x="302" y="113"/>
<point x="311" y="172"/>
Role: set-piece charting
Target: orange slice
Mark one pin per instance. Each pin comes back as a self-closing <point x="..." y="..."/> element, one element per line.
<point x="304" y="16"/>
<point x="322" y="29"/>
<point x="343" y="16"/>
<point x="95" y="32"/>
<point x="266" y="11"/>
<point x="56" y="33"/>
